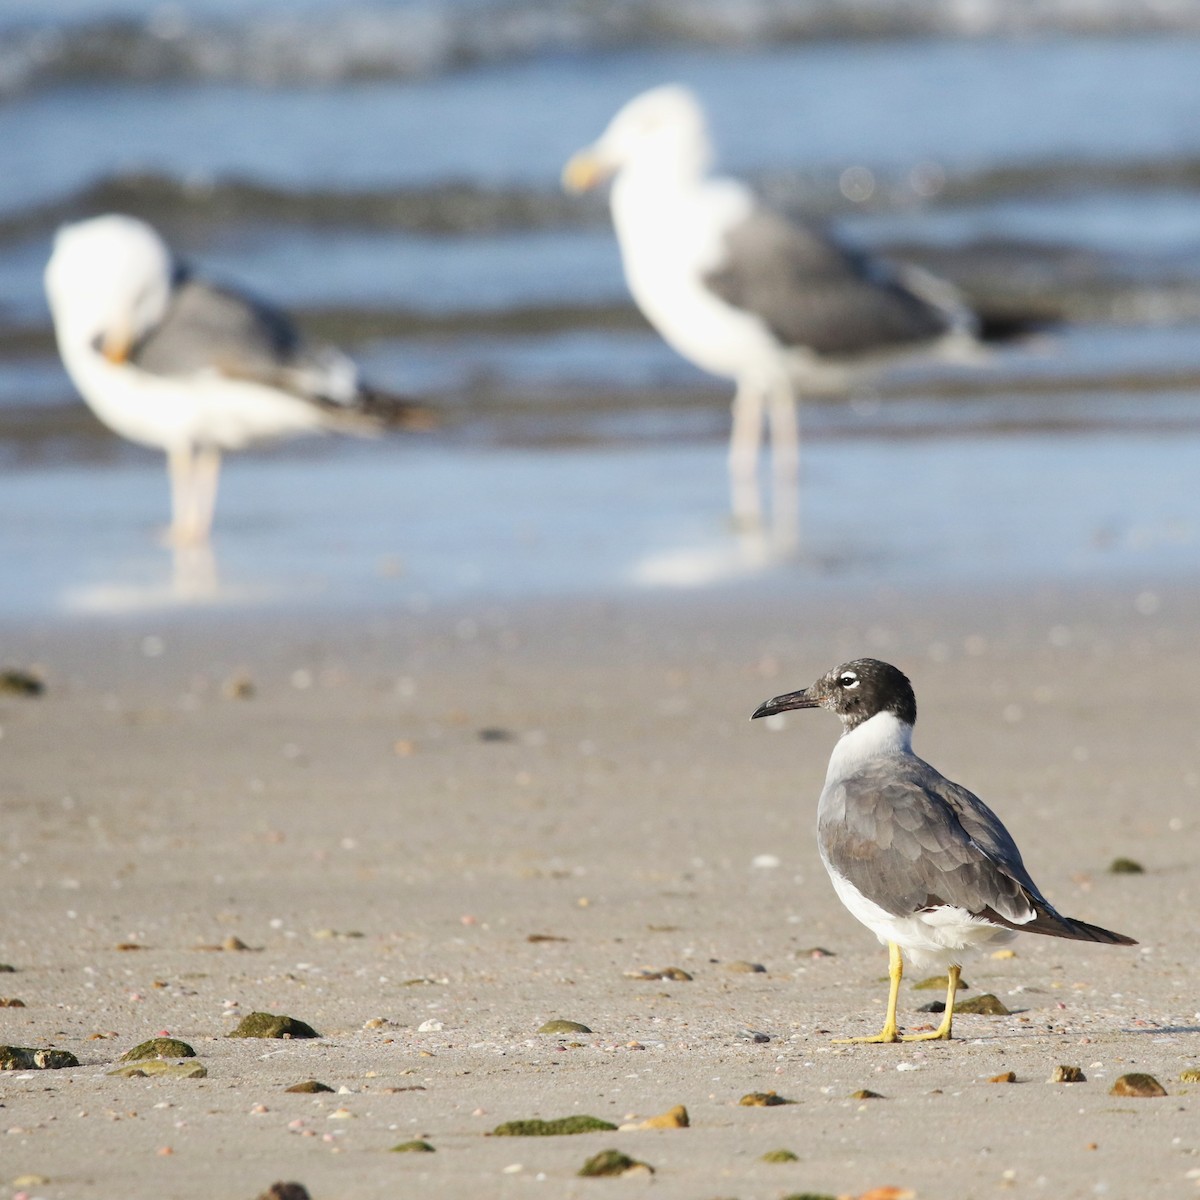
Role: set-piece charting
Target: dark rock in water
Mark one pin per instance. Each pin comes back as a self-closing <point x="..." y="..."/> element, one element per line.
<point x="1068" y="1075"/>
<point x="15" y="682"/>
<point x="780" y="1156"/>
<point x="268" y="1025"/>
<point x="536" y="1127"/>
<point x="30" y="1058"/>
<point x="762" y="1100"/>
<point x="986" y="1005"/>
<point x="613" y="1162"/>
<point x="160" y="1047"/>
<point x="417" y="1147"/>
<point x="564" y="1027"/>
<point x="1125" y="866"/>
<point x="309" y="1086"/>
<point x="1137" y="1084"/>
<point x="286" y="1191"/>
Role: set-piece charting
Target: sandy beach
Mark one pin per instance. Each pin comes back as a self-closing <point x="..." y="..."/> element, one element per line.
<point x="436" y="832"/>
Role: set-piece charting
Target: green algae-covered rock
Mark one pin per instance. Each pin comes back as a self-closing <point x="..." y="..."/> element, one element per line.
<point x="780" y="1156"/>
<point x="986" y="1005"/>
<point x="613" y="1162"/>
<point x="160" y="1047"/>
<point x="564" y="1027"/>
<point x="417" y="1147"/>
<point x="938" y="983"/>
<point x="160" y="1068"/>
<point x="268" y="1025"/>
<point x="32" y="1058"/>
<point x="536" y="1127"/>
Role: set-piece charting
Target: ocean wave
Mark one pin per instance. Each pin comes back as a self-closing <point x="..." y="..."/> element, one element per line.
<point x="462" y="209"/>
<point x="413" y="41"/>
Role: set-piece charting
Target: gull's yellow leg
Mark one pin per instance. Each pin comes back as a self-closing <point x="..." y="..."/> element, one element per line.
<point x="942" y="1032"/>
<point x="895" y="974"/>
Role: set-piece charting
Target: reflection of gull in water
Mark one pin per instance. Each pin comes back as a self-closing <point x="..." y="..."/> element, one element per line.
<point x="192" y="582"/>
<point x="701" y="565"/>
<point x="168" y="360"/>
<point x="745" y="294"/>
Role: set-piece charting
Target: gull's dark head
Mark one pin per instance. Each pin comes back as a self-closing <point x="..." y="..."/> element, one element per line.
<point x="855" y="692"/>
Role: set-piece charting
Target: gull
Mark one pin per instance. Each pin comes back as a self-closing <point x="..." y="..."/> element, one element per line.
<point x="745" y="294"/>
<point x="169" y="360"/>
<point x="922" y="862"/>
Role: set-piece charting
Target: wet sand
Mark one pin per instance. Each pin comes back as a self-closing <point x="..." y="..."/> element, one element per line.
<point x="387" y="808"/>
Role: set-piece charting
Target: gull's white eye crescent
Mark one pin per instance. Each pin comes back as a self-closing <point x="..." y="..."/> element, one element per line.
<point x="848" y="679"/>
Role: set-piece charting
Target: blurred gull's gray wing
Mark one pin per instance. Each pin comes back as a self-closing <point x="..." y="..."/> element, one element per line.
<point x="909" y="840"/>
<point x="813" y="293"/>
<point x="209" y="329"/>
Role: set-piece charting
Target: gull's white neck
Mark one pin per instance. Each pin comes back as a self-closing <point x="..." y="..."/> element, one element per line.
<point x="882" y="736"/>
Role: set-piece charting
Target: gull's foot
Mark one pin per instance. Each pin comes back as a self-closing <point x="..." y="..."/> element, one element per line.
<point x="934" y="1035"/>
<point x="884" y="1035"/>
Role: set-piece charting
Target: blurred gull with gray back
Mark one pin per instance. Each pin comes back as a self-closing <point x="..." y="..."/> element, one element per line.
<point x="776" y="306"/>
<point x="171" y="361"/>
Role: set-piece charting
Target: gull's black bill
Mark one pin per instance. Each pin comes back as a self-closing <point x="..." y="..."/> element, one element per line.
<point x="800" y="699"/>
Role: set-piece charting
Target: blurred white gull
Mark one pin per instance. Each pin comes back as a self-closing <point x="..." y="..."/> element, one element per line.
<point x="168" y="360"/>
<point x="745" y="294"/>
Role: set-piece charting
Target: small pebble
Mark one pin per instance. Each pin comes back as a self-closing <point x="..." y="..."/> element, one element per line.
<point x="762" y="1100"/>
<point x="1063" y="1074"/>
<point x="753" y="1035"/>
<point x="741" y="967"/>
<point x="1137" y="1084"/>
<point x="1191" y="1075"/>
<point x="559" y="1026"/>
<point x="1125" y="866"/>
<point x="673" y="1118"/>
<point x="938" y="983"/>
<point x="11" y="1002"/>
<point x="865" y="1094"/>
<point x="778" y="1156"/>
<point x="159" y="1047"/>
<point x="613" y="1162"/>
<point x="268" y="1025"/>
<point x="647" y="973"/>
<point x="309" y="1086"/>
<point x="1004" y="1077"/>
<point x="417" y="1147"/>
<point x="16" y="682"/>
<point x="286" y="1191"/>
<point x="985" y="1005"/>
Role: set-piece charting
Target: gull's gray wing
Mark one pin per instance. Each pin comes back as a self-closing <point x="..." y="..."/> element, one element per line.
<point x="813" y="293"/>
<point x="213" y="329"/>
<point x="909" y="840"/>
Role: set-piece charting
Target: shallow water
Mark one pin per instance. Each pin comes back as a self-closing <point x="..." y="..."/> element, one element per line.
<point x="397" y="526"/>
